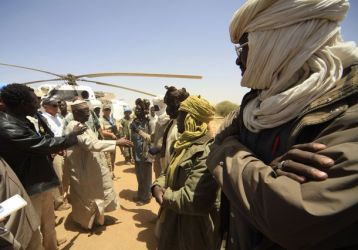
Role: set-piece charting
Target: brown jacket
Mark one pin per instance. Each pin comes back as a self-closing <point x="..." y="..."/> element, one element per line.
<point x="272" y="212"/>
<point x="21" y="224"/>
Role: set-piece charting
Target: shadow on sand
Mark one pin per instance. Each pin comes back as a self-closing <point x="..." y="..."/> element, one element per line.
<point x="70" y="225"/>
<point x="129" y="170"/>
<point x="128" y="194"/>
<point x="120" y="163"/>
<point x="145" y="219"/>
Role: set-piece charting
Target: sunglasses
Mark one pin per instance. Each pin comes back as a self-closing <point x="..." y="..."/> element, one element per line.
<point x="239" y="48"/>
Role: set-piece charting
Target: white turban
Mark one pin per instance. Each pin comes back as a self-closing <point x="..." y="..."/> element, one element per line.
<point x="163" y="118"/>
<point x="159" y="101"/>
<point x="296" y="54"/>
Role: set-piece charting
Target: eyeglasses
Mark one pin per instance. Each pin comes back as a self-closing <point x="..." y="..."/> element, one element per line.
<point x="54" y="105"/>
<point x="239" y="48"/>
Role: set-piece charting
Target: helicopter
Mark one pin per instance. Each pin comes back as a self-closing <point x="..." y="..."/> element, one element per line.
<point x="69" y="88"/>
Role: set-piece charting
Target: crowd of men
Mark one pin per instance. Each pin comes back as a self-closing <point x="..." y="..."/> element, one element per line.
<point x="281" y="172"/>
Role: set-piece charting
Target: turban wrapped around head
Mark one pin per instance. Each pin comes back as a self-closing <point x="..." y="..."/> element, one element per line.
<point x="262" y="15"/>
<point x="295" y="55"/>
<point x="199" y="108"/>
<point x="283" y="36"/>
<point x="200" y="112"/>
<point x="159" y="101"/>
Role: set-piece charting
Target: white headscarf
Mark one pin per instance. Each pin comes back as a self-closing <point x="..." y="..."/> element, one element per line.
<point x="163" y="118"/>
<point x="296" y="54"/>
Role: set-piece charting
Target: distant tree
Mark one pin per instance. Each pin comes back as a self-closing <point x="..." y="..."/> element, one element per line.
<point x="225" y="107"/>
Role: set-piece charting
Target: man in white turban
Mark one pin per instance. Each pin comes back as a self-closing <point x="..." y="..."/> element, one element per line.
<point x="158" y="134"/>
<point x="300" y="115"/>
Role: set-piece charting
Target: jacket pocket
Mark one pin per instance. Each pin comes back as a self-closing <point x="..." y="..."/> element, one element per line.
<point x="186" y="167"/>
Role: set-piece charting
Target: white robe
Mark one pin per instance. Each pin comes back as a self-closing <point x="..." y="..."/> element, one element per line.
<point x="91" y="184"/>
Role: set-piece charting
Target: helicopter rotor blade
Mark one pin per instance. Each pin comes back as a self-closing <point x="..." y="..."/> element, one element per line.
<point x="38" y="70"/>
<point x="49" y="80"/>
<point x="118" y="86"/>
<point x="140" y="75"/>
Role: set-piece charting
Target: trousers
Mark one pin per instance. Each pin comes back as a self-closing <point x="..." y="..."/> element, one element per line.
<point x="44" y="206"/>
<point x="143" y="171"/>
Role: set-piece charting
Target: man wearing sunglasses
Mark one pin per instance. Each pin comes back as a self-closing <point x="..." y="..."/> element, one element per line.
<point x="56" y="125"/>
<point x="51" y="113"/>
<point x="302" y="103"/>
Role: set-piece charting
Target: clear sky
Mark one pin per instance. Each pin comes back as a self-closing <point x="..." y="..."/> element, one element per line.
<point x="158" y="36"/>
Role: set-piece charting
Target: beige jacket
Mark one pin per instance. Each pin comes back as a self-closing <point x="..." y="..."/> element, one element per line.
<point x="92" y="191"/>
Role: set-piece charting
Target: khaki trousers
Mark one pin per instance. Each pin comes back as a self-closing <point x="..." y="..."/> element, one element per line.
<point x="157" y="167"/>
<point x="58" y="193"/>
<point x="43" y="204"/>
<point x="110" y="157"/>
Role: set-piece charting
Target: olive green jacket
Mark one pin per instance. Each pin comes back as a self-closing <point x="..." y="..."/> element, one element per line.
<point x="269" y="212"/>
<point x="189" y="212"/>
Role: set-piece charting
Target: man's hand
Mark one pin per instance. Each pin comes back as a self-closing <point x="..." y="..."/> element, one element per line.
<point x="145" y="136"/>
<point x="79" y="129"/>
<point x="124" y="142"/>
<point x="158" y="193"/>
<point x="303" y="162"/>
<point x="133" y="127"/>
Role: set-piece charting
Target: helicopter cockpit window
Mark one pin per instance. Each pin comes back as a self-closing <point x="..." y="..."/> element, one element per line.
<point x="66" y="95"/>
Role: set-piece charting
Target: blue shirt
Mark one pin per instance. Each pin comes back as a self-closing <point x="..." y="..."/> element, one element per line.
<point x="141" y="147"/>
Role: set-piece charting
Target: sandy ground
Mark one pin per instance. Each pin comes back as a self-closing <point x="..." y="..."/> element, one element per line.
<point x="131" y="227"/>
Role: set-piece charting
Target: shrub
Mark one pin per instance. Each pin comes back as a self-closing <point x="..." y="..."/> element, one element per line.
<point x="225" y="107"/>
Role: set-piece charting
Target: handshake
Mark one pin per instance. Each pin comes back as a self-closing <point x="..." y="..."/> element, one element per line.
<point x="124" y="142"/>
